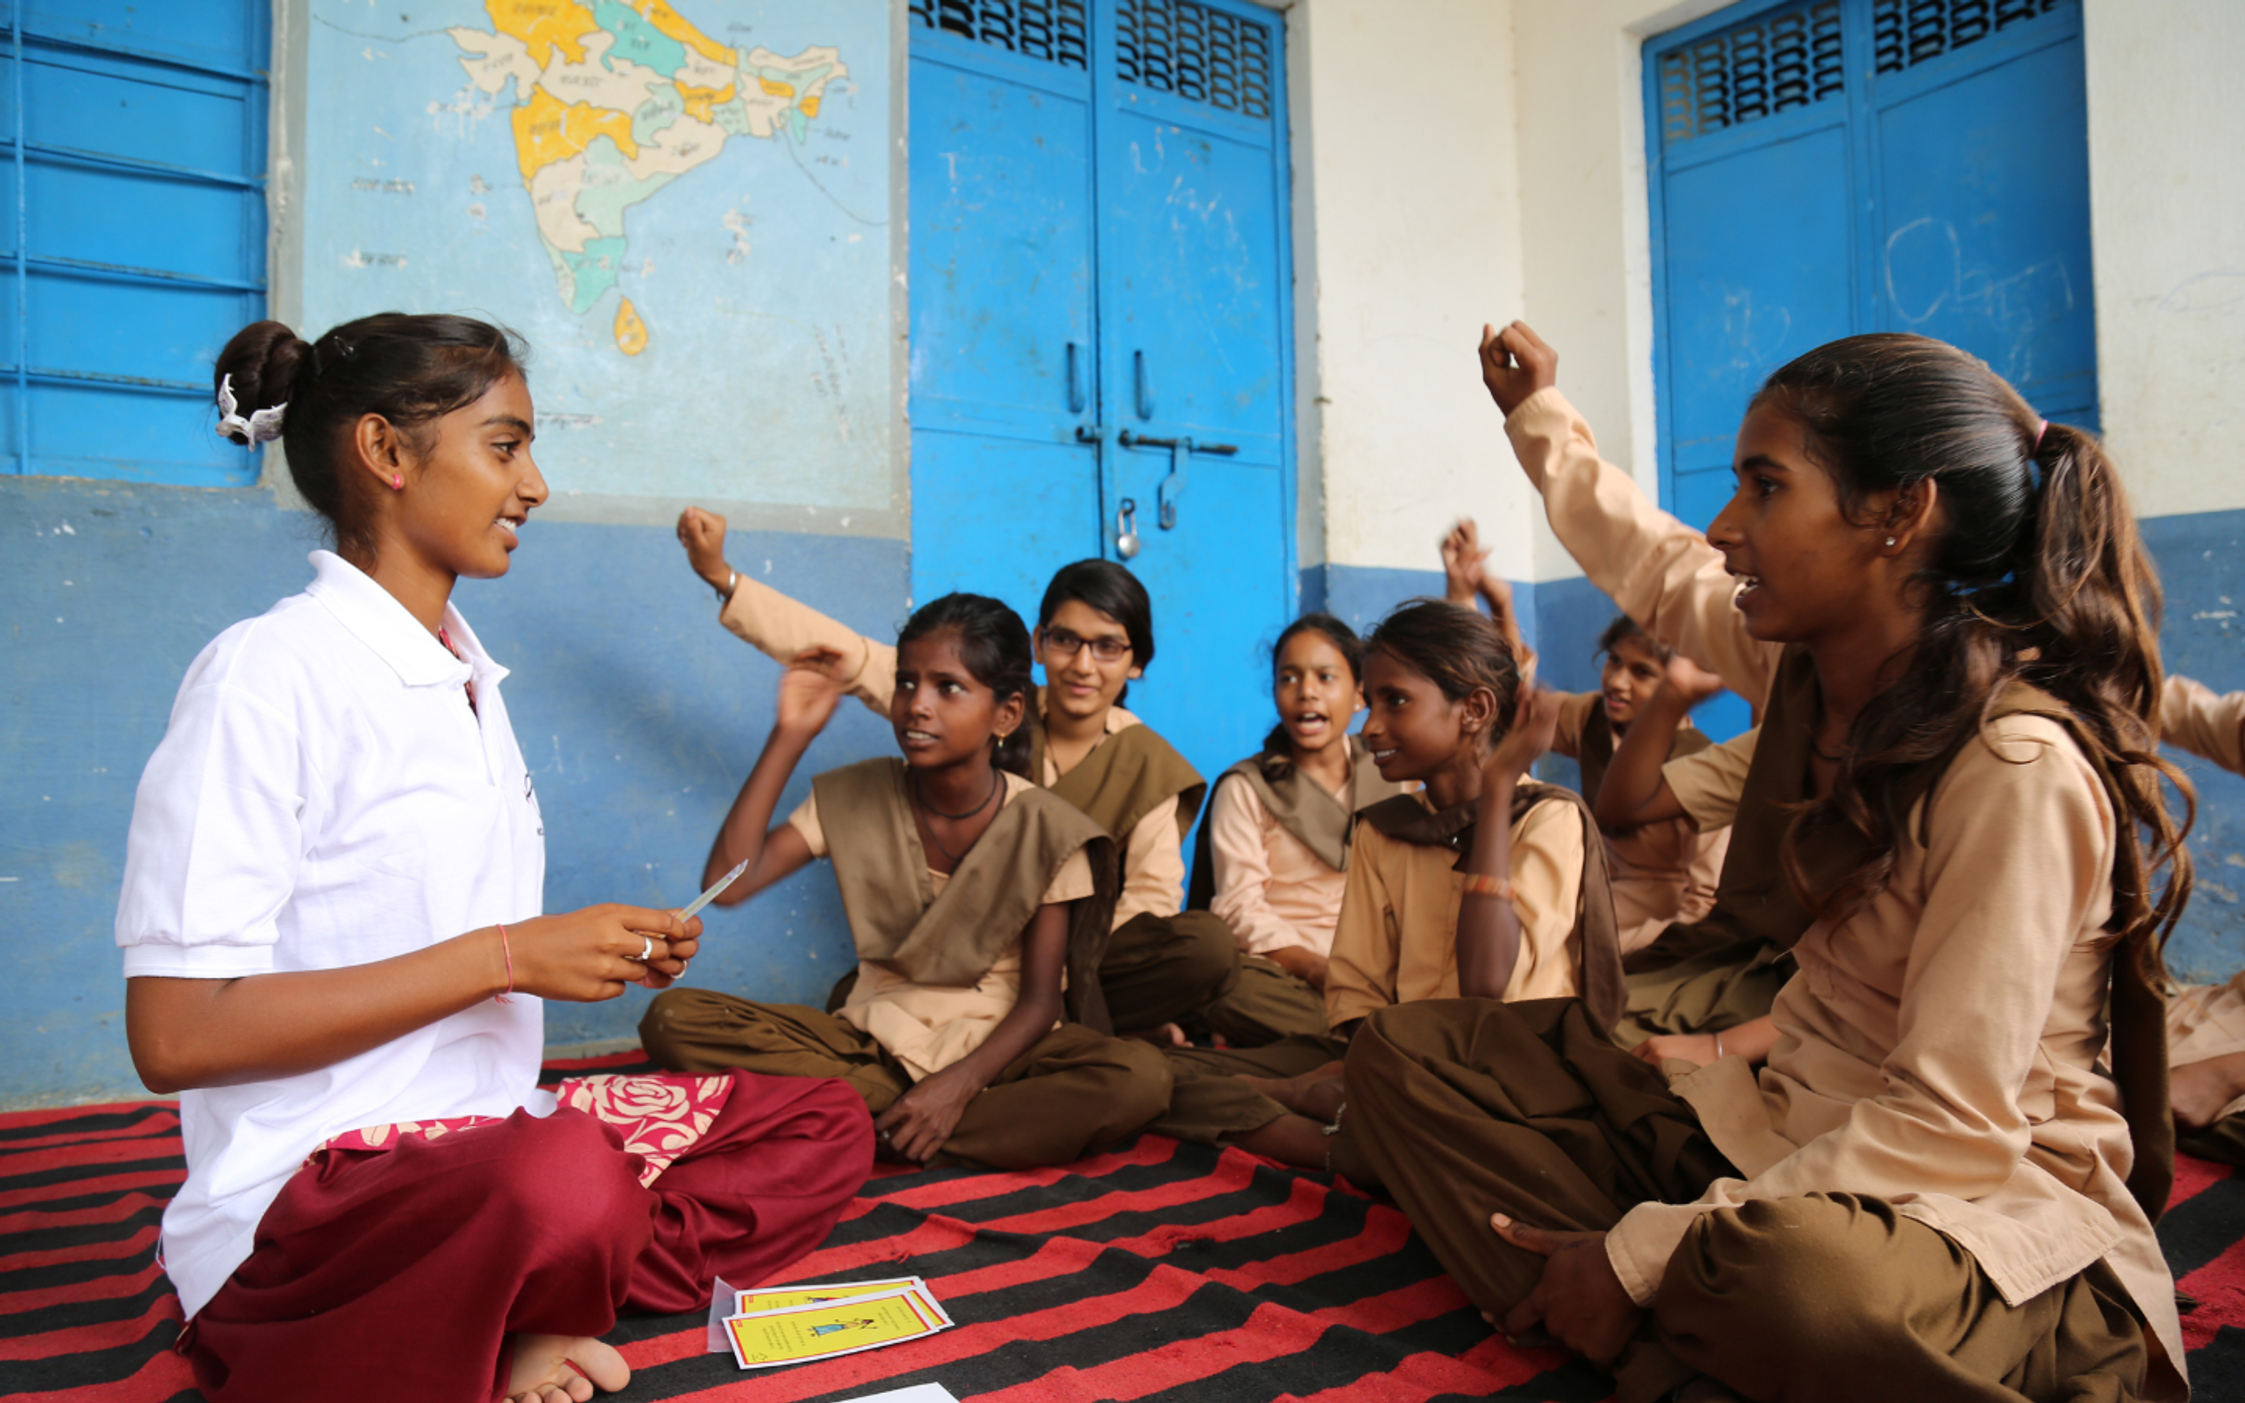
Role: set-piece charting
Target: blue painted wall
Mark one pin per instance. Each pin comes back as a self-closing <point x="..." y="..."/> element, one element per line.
<point x="2203" y="567"/>
<point x="638" y="714"/>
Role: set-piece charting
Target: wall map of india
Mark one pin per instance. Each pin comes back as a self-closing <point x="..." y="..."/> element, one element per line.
<point x="683" y="207"/>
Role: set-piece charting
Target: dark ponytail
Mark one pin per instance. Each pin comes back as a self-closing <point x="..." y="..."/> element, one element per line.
<point x="411" y="370"/>
<point x="2037" y="574"/>
<point x="1344" y="640"/>
<point x="1455" y="648"/>
<point x="993" y="643"/>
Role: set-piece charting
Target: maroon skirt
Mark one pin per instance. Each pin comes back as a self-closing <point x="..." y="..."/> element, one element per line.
<point x="401" y="1272"/>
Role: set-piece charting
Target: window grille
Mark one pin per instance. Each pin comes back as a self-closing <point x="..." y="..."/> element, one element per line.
<point x="1905" y="33"/>
<point x="134" y="241"/>
<point x="1176" y="46"/>
<point x="1771" y="64"/>
<point x="1052" y="30"/>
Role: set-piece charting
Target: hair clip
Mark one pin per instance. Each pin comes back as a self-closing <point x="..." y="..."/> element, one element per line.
<point x="263" y="426"/>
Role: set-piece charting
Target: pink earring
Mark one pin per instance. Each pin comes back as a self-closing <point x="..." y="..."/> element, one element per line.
<point x="397" y="482"/>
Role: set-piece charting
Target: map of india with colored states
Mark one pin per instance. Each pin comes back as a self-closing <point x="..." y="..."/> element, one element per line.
<point x="614" y="100"/>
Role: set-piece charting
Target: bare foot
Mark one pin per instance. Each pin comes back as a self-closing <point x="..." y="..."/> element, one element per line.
<point x="563" y="1369"/>
<point x="1317" y="1094"/>
<point x="2198" y="1090"/>
<point x="1167" y="1035"/>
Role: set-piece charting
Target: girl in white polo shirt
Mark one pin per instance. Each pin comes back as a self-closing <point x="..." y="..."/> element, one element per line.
<point x="334" y="953"/>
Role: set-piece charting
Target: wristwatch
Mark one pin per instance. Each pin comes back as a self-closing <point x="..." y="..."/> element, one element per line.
<point x="725" y="591"/>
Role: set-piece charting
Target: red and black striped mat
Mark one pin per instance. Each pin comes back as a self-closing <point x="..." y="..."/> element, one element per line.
<point x="1159" y="1272"/>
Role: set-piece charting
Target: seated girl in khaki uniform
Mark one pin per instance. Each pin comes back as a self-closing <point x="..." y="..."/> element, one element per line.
<point x="1941" y="1184"/>
<point x="1483" y="883"/>
<point x="1273" y="857"/>
<point x="978" y="903"/>
<point x="1165" y="966"/>
<point x="1662" y="873"/>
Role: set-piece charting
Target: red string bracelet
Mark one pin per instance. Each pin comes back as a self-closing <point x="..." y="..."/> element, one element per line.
<point x="507" y="951"/>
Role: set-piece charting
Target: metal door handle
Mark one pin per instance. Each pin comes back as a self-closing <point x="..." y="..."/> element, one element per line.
<point x="1076" y="398"/>
<point x="1145" y="386"/>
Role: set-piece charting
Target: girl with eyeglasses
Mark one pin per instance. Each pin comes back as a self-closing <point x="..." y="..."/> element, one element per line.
<point x="1166" y="969"/>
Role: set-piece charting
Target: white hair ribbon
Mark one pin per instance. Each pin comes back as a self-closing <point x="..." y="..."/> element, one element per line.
<point x="260" y="427"/>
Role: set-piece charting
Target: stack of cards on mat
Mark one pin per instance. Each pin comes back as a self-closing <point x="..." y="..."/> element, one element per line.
<point x="796" y="1324"/>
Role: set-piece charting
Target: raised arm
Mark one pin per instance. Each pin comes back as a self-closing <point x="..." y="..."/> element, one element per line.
<point x="782" y="628"/>
<point x="1488" y="924"/>
<point x="2193" y="718"/>
<point x="1634" y="791"/>
<point x="809" y="691"/>
<point x="1660" y="571"/>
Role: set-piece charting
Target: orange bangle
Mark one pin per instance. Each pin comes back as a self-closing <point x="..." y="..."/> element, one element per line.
<point x="507" y="951"/>
<point x="1488" y="884"/>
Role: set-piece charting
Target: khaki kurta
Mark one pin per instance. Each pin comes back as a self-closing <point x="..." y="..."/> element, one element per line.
<point x="927" y="1027"/>
<point x="1661" y="873"/>
<point x="1153" y="861"/>
<point x="1939" y="1048"/>
<point x="1397" y="937"/>
<point x="2206" y="1020"/>
<point x="1269" y="887"/>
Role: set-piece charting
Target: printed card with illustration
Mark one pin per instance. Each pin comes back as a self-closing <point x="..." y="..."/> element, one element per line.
<point x="799" y="1334"/>
<point x="781" y="1298"/>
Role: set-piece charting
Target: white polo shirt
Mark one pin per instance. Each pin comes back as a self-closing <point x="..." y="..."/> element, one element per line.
<point x="324" y="797"/>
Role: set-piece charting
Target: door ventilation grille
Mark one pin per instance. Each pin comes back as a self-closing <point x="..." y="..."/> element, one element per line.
<point x="1052" y="30"/>
<point x="1176" y="46"/>
<point x="1905" y="33"/>
<point x="1769" y="65"/>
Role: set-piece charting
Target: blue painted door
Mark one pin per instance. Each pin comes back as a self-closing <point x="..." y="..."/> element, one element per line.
<point x="1839" y="166"/>
<point x="1100" y="327"/>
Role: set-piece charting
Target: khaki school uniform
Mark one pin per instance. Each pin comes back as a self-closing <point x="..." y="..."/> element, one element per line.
<point x="1396" y="941"/>
<point x="1274" y="878"/>
<point x="1662" y="873"/>
<point x="1933" y="1170"/>
<point x="1397" y="937"/>
<point x="936" y="979"/>
<point x="1164" y="964"/>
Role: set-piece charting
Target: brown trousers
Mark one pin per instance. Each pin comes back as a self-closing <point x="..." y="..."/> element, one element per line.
<point x="1071" y="1092"/>
<point x="1211" y="1105"/>
<point x="1466" y="1107"/>
<point x="2222" y="1142"/>
<point x="1187" y="969"/>
<point x="1706" y="991"/>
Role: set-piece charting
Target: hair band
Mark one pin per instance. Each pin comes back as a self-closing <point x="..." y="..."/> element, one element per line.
<point x="263" y="426"/>
<point x="2042" y="426"/>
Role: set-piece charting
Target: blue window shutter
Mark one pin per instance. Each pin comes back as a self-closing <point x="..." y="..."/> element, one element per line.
<point x="134" y="238"/>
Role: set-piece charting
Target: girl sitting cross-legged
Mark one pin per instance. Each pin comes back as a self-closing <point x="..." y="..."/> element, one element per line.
<point x="334" y="951"/>
<point x="1484" y="884"/>
<point x="978" y="902"/>
<point x="1941" y="1185"/>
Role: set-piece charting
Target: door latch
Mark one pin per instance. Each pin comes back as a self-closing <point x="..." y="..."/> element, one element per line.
<point x="1172" y="487"/>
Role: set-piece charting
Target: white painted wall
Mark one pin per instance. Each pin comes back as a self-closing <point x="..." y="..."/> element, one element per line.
<point x="1407" y="217"/>
<point x="1508" y="179"/>
<point x="2167" y="226"/>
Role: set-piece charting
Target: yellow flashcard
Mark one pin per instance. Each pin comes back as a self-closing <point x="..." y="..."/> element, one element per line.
<point x="802" y="1333"/>
<point x="785" y="1298"/>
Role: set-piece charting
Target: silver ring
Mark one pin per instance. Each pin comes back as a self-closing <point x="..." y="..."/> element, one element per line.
<point x="646" y="948"/>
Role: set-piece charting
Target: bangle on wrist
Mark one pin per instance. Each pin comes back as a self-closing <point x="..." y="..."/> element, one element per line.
<point x="1718" y="1047"/>
<point x="506" y="952"/>
<point x="732" y="582"/>
<point x="1488" y="884"/>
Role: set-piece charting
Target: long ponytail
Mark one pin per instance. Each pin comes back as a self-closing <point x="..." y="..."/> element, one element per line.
<point x="2038" y="575"/>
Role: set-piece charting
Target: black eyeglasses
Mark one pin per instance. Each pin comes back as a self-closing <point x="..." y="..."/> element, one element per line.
<point x="1061" y="645"/>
